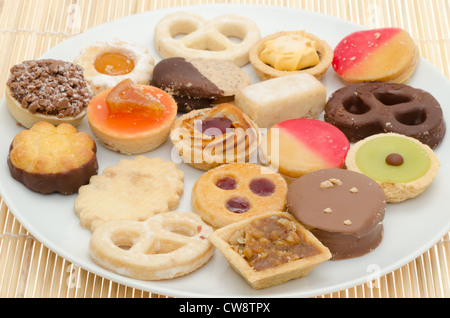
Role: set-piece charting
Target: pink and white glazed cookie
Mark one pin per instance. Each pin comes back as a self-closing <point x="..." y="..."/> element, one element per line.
<point x="385" y="54"/>
<point x="297" y="146"/>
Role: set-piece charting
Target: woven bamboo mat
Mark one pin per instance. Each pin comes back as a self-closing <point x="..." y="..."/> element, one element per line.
<point x="30" y="28"/>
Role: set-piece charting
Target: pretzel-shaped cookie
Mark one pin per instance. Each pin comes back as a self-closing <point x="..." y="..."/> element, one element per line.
<point x="206" y="38"/>
<point x="360" y="110"/>
<point x="164" y="246"/>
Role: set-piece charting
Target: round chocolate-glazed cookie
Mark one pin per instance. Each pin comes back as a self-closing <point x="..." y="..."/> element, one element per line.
<point x="343" y="209"/>
<point x="364" y="109"/>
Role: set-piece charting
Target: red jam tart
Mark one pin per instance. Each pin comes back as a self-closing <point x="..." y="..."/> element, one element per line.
<point x="132" y="118"/>
<point x="237" y="191"/>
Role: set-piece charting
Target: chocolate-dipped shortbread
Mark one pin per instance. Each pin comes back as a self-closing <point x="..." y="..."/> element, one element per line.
<point x="49" y="159"/>
<point x="199" y="83"/>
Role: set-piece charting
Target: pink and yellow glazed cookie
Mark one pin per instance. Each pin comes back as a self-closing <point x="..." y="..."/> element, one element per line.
<point x="385" y="54"/>
<point x="298" y="146"/>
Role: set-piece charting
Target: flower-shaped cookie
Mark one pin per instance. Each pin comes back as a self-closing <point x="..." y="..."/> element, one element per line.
<point x="48" y="158"/>
<point x="131" y="190"/>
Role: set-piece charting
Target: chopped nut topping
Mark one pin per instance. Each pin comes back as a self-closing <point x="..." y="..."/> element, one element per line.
<point x="330" y="183"/>
<point x="270" y="242"/>
<point x="347" y="222"/>
<point x="327" y="210"/>
<point x="326" y="184"/>
<point x="335" y="181"/>
<point x="353" y="190"/>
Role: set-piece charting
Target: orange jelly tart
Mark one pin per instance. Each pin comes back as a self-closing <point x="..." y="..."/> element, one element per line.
<point x="132" y="118"/>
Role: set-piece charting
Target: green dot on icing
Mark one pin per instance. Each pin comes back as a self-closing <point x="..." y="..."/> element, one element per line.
<point x="371" y="159"/>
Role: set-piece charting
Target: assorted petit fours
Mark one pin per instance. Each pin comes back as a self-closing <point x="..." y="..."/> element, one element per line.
<point x="237" y="191"/>
<point x="403" y="166"/>
<point x="297" y="146"/>
<point x="107" y="63"/>
<point x="343" y="209"/>
<point x="280" y="192"/>
<point x="363" y="109"/>
<point x="210" y="137"/>
<point x="292" y="96"/>
<point x="133" y="189"/>
<point x="199" y="83"/>
<point x="270" y="249"/>
<point x="132" y="118"/>
<point x="47" y="89"/>
<point x="288" y="52"/>
<point x="52" y="159"/>
<point x="383" y="54"/>
<point x="206" y="38"/>
<point x="164" y="246"/>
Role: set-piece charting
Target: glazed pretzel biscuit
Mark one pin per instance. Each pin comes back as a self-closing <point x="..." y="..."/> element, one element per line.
<point x="235" y="192"/>
<point x="361" y="110"/>
<point x="206" y="38"/>
<point x="164" y="246"/>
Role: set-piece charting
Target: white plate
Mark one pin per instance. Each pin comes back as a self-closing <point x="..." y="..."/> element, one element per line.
<point x="411" y="227"/>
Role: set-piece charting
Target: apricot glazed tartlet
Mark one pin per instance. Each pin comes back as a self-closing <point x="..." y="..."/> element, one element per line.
<point x="132" y="118"/>
<point x="48" y="158"/>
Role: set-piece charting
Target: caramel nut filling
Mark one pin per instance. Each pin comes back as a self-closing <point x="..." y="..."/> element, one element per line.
<point x="271" y="241"/>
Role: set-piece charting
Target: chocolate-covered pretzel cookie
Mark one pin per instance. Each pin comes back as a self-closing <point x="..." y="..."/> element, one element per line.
<point x="364" y="109"/>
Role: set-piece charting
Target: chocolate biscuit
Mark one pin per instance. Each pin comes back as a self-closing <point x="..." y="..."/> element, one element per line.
<point x="198" y="83"/>
<point x="364" y="109"/>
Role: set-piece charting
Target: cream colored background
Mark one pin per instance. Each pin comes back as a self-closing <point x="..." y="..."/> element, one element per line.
<point x="30" y="28"/>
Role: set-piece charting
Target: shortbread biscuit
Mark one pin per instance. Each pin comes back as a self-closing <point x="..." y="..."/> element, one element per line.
<point x="237" y="191"/>
<point x="270" y="249"/>
<point x="164" y="246"/>
<point x="48" y="159"/>
<point x="131" y="190"/>
<point x="205" y="38"/>
<point x="199" y="83"/>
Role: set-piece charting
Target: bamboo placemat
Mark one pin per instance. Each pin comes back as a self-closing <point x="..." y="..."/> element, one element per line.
<point x="30" y="28"/>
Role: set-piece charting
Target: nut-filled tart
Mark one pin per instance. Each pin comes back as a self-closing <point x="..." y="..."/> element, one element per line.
<point x="47" y="89"/>
<point x="269" y="249"/>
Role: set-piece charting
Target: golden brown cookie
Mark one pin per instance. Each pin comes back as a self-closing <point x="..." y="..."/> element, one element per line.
<point x="234" y="192"/>
<point x="49" y="159"/>
<point x="134" y="189"/>
<point x="207" y="138"/>
<point x="270" y="249"/>
<point x="289" y="52"/>
<point x="164" y="246"/>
